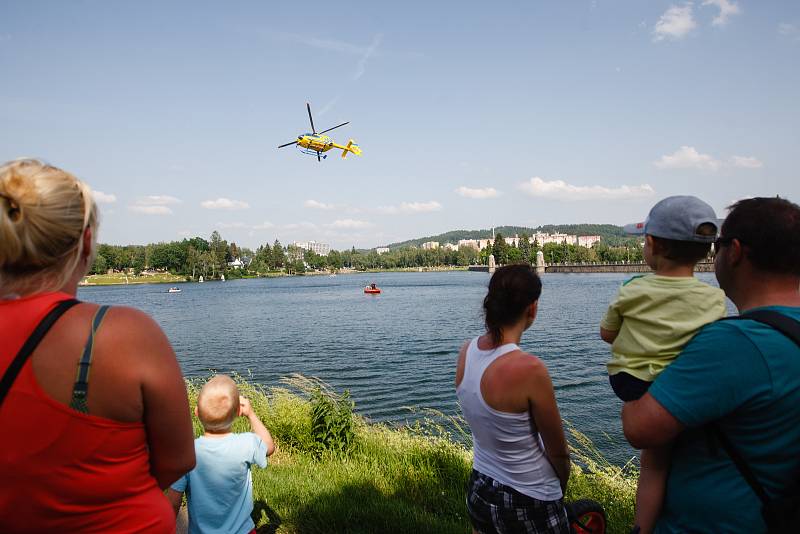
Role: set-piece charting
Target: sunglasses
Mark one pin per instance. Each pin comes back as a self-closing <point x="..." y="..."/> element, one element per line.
<point x="722" y="241"/>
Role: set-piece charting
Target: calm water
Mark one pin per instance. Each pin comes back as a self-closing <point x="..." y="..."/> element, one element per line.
<point x="392" y="351"/>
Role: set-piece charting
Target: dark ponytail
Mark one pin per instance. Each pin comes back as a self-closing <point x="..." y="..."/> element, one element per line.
<point x="511" y="290"/>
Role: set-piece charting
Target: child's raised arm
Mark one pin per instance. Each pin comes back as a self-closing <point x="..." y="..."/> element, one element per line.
<point x="246" y="410"/>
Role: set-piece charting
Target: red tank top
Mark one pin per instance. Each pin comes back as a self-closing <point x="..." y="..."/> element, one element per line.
<point x="62" y="470"/>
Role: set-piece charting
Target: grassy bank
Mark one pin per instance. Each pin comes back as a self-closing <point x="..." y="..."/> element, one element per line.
<point x="122" y="278"/>
<point x="334" y="472"/>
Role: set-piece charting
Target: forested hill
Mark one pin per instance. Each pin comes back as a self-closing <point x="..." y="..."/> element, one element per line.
<point x="610" y="234"/>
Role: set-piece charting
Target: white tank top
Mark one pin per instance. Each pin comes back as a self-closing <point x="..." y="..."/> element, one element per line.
<point x="505" y="445"/>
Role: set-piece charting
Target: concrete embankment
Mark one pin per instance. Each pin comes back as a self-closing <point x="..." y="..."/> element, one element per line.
<point x="702" y="267"/>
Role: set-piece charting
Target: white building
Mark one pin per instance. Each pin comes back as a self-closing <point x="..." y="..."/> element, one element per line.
<point x="468" y="243"/>
<point x="430" y="245"/>
<point x="588" y="241"/>
<point x="321" y="249"/>
<point x="382" y="250"/>
<point x="450" y="246"/>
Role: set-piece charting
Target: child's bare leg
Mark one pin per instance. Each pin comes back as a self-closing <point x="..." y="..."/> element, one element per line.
<point x="651" y="488"/>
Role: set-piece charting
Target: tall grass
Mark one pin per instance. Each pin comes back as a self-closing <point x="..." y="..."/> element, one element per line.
<point x="348" y="475"/>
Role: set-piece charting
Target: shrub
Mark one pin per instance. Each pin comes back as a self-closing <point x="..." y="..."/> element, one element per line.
<point x="331" y="422"/>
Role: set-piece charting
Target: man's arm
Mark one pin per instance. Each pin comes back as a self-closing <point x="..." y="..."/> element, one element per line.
<point x="175" y="498"/>
<point x="647" y="424"/>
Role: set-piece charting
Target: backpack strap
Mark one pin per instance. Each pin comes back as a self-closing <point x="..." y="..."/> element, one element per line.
<point x="789" y="328"/>
<point x="81" y="388"/>
<point x="30" y="345"/>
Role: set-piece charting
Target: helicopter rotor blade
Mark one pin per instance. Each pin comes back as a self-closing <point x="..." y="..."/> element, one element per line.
<point x="329" y="129"/>
<point x="287" y="144"/>
<point x="318" y="158"/>
<point x="310" y="118"/>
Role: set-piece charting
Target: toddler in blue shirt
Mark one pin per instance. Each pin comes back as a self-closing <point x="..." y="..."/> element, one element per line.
<point x="219" y="490"/>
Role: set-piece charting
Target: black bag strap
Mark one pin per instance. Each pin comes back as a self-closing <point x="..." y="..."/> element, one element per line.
<point x="30" y="344"/>
<point x="791" y="329"/>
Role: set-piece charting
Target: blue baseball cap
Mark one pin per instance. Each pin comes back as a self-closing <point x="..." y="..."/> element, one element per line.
<point x="677" y="218"/>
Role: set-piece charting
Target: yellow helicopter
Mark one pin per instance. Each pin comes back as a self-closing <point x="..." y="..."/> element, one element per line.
<point x="316" y="143"/>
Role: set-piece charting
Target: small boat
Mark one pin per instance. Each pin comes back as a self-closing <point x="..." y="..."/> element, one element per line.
<point x="201" y="279"/>
<point x="174" y="290"/>
<point x="372" y="289"/>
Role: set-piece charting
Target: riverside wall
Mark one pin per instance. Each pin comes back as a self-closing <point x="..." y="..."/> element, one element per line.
<point x="702" y="267"/>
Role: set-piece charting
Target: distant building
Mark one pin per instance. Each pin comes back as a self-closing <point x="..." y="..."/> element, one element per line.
<point x="430" y="245"/>
<point x="382" y="250"/>
<point x="588" y="241"/>
<point x="321" y="249"/>
<point x="237" y="263"/>
<point x="450" y="246"/>
<point x="468" y="243"/>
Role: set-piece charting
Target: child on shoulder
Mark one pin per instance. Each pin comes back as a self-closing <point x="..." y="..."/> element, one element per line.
<point x="655" y="315"/>
<point x="219" y="489"/>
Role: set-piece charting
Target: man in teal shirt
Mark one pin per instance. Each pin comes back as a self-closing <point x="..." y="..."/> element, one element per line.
<point x="742" y="375"/>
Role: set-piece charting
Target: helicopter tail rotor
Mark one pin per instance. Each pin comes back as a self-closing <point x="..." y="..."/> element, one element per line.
<point x="351" y="147"/>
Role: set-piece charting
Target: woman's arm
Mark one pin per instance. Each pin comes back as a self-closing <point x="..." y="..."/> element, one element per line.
<point x="545" y="414"/>
<point x="165" y="406"/>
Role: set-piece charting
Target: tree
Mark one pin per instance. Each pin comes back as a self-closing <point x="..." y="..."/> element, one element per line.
<point x="500" y="249"/>
<point x="100" y="265"/>
<point x="334" y="259"/>
<point x="525" y="248"/>
<point x="278" y="256"/>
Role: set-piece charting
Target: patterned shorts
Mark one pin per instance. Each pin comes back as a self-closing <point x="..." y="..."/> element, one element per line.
<point x="495" y="508"/>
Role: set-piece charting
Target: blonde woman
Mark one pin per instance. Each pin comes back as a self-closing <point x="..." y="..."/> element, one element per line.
<point x="81" y="451"/>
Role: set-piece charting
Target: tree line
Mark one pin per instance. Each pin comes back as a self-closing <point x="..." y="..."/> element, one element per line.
<point x="211" y="257"/>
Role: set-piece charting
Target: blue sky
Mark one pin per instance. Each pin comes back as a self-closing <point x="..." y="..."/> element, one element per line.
<point x="469" y="114"/>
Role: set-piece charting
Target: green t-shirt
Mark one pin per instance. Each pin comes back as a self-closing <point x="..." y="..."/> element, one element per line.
<point x="656" y="316"/>
<point x="745" y="376"/>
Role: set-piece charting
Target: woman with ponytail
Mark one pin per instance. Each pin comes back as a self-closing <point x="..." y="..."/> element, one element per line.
<point x="521" y="461"/>
<point x="81" y="451"/>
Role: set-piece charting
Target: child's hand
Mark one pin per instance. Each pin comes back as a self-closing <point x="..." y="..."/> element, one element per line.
<point x="244" y="407"/>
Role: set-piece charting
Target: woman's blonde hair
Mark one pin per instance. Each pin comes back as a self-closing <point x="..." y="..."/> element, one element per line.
<point x="44" y="212"/>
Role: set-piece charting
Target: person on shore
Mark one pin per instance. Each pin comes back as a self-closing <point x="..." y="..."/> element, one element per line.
<point x="81" y="452"/>
<point x="521" y="461"/>
<point x="220" y="489"/>
<point x="738" y="379"/>
<point x="654" y="316"/>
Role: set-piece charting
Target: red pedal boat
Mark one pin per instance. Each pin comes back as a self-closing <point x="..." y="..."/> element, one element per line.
<point x="372" y="289"/>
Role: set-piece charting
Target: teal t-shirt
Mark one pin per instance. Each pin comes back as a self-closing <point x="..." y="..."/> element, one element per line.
<point x="745" y="376"/>
<point x="219" y="490"/>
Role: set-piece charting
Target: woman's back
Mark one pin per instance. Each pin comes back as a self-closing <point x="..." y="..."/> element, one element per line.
<point x="505" y="443"/>
<point x="63" y="469"/>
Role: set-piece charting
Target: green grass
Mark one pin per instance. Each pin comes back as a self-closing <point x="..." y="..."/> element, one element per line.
<point x="121" y="278"/>
<point x="409" y="479"/>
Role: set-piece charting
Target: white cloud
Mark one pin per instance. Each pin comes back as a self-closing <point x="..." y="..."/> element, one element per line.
<point x="229" y="225"/>
<point x="263" y="226"/>
<point x="726" y="10"/>
<point x="561" y="190"/>
<point x="687" y="157"/>
<point x="305" y="225"/>
<point x="348" y="224"/>
<point x="788" y="30"/>
<point x="225" y="204"/>
<point x="154" y="205"/>
<point x="480" y="193"/>
<point x="104" y="198"/>
<point x="746" y="162"/>
<point x="314" y="204"/>
<point x="150" y="210"/>
<point x="675" y="23"/>
<point x="411" y="207"/>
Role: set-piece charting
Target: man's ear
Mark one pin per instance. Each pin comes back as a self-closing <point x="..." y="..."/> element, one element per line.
<point x="533" y="309"/>
<point x="735" y="252"/>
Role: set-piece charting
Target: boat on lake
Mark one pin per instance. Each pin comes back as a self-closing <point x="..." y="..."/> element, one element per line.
<point x="174" y="290"/>
<point x="372" y="289"/>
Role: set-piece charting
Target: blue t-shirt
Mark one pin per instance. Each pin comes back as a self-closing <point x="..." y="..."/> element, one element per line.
<point x="219" y="490"/>
<point x="745" y="376"/>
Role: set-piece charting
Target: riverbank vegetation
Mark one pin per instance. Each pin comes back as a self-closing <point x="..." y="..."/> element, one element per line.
<point x="212" y="258"/>
<point x="335" y="472"/>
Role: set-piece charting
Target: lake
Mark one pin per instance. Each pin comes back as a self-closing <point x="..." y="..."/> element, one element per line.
<point x="392" y="351"/>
